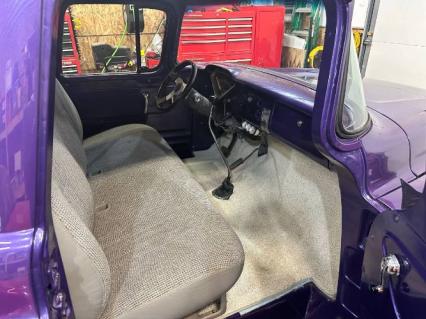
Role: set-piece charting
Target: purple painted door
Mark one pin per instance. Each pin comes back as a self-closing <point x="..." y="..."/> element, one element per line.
<point x="394" y="267"/>
<point x="387" y="276"/>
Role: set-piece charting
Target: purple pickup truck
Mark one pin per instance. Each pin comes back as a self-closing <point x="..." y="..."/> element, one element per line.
<point x="205" y="190"/>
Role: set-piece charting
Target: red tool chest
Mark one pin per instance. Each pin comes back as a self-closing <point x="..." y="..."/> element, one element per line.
<point x="251" y="35"/>
<point x="70" y="58"/>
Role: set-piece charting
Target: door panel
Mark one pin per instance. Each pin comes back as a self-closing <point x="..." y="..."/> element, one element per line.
<point x="104" y="102"/>
<point x="400" y="236"/>
<point x="112" y="86"/>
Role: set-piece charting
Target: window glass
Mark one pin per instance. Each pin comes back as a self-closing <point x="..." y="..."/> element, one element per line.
<point x="355" y="114"/>
<point x="268" y="34"/>
<point x="101" y="38"/>
<point x="152" y="37"/>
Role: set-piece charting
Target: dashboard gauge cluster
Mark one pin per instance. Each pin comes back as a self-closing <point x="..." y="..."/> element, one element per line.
<point x="222" y="83"/>
<point x="250" y="108"/>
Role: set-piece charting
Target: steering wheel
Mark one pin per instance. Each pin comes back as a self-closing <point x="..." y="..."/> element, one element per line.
<point x="176" y="86"/>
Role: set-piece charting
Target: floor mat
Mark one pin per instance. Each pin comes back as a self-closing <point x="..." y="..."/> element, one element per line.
<point x="286" y="211"/>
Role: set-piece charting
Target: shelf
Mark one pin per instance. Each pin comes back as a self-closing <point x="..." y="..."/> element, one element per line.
<point x="304" y="10"/>
<point x="288" y="18"/>
<point x="301" y="33"/>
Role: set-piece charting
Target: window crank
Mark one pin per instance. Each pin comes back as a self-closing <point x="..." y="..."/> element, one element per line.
<point x="389" y="266"/>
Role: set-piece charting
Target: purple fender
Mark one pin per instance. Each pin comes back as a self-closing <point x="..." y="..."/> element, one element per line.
<point x="26" y="37"/>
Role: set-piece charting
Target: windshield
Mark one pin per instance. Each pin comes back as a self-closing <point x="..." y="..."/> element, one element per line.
<point x="284" y="36"/>
<point x="265" y="34"/>
<point x="354" y="113"/>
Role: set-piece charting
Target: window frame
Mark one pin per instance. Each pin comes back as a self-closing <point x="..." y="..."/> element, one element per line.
<point x="341" y="131"/>
<point x="139" y="69"/>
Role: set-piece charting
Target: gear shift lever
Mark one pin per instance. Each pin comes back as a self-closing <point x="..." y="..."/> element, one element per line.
<point x="226" y="189"/>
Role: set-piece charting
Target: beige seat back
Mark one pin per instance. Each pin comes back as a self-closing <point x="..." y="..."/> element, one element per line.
<point x="68" y="125"/>
<point x="86" y="267"/>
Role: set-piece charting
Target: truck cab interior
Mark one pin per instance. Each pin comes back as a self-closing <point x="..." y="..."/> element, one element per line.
<point x="184" y="190"/>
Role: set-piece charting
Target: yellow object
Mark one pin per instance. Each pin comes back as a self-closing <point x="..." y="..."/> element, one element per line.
<point x="357" y="38"/>
<point x="142" y="52"/>
<point x="313" y="53"/>
<point x="77" y="23"/>
<point x="224" y="10"/>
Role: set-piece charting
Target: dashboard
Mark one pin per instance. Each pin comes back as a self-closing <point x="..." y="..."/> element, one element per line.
<point x="252" y="101"/>
<point x="222" y="83"/>
<point x="246" y="106"/>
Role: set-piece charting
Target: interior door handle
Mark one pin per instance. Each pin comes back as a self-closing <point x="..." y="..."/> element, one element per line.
<point x="146" y="97"/>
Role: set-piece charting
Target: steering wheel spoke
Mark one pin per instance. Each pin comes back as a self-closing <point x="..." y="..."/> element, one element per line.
<point x="173" y="75"/>
<point x="182" y="85"/>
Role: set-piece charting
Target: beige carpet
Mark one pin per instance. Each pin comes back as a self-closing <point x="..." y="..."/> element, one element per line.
<point x="286" y="211"/>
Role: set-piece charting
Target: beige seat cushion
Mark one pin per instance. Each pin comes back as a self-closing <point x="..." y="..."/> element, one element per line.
<point x="122" y="145"/>
<point x="169" y="250"/>
<point x="140" y="238"/>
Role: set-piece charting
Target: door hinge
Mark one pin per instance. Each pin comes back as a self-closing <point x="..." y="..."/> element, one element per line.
<point x="389" y="267"/>
<point x="60" y="307"/>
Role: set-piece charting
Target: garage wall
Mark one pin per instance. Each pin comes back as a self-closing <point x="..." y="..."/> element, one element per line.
<point x="398" y="53"/>
<point x="360" y="13"/>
